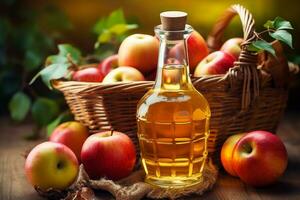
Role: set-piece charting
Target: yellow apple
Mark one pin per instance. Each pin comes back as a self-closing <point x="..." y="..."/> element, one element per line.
<point x="51" y="165"/>
<point x="123" y="74"/>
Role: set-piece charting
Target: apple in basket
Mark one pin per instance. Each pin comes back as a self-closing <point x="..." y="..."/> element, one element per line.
<point x="217" y="62"/>
<point x="259" y="158"/>
<point x="139" y="51"/>
<point x="72" y="134"/>
<point x="197" y="49"/>
<point x="123" y="74"/>
<point x="109" y="64"/>
<point x="88" y="74"/>
<point x="233" y="47"/>
<point x="51" y="165"/>
<point x="109" y="154"/>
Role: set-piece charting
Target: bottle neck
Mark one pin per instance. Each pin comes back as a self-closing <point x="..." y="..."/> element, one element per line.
<point x="173" y="70"/>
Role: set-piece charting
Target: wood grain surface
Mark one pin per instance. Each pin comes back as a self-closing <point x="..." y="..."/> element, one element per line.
<point x="13" y="184"/>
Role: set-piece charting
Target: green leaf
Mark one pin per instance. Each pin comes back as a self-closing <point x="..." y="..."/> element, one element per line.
<point x="19" y="106"/>
<point x="281" y="24"/>
<point x="116" y="17"/>
<point x="283" y="36"/>
<point x="44" y="110"/>
<point x="99" y="26"/>
<point x="56" y="59"/>
<point x="65" y="49"/>
<point x="269" y="24"/>
<point x="261" y="45"/>
<point x="116" y="30"/>
<point x="51" y="72"/>
<point x="63" y="117"/>
<point x="120" y="29"/>
<point x="50" y="127"/>
<point x="278" y="24"/>
<point x="104" y="37"/>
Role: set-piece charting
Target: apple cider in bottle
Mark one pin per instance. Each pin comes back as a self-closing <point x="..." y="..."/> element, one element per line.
<point x="173" y="117"/>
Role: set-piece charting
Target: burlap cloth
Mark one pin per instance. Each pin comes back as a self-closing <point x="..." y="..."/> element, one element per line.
<point x="130" y="188"/>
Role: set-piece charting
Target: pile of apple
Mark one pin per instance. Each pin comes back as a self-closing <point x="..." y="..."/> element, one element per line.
<point x="138" y="54"/>
<point x="55" y="163"/>
<point x="258" y="158"/>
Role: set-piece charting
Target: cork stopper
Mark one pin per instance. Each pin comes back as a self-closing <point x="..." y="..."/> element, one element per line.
<point x="173" y="21"/>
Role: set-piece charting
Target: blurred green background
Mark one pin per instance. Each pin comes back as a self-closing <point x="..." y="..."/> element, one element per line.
<point x="31" y="29"/>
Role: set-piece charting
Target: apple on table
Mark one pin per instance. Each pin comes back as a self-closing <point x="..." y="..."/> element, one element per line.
<point x="51" y="165"/>
<point x="108" y="154"/>
<point x="227" y="152"/>
<point x="259" y="158"/>
<point x="72" y="134"/>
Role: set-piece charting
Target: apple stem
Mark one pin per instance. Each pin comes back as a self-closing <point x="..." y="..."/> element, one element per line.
<point x="111" y="132"/>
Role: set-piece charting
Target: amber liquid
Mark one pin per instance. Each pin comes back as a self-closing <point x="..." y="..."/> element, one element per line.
<point x="173" y="121"/>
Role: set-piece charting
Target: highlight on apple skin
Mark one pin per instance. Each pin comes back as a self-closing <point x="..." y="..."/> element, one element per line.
<point x="108" y="64"/>
<point x="233" y="47"/>
<point x="217" y="62"/>
<point x="123" y="74"/>
<point x="227" y="153"/>
<point x="89" y="74"/>
<point x="72" y="134"/>
<point x="109" y="154"/>
<point x="51" y="165"/>
<point x="197" y="50"/>
<point x="139" y="51"/>
<point x="259" y="158"/>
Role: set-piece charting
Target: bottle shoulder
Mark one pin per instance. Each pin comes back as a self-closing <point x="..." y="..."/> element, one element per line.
<point x="173" y="101"/>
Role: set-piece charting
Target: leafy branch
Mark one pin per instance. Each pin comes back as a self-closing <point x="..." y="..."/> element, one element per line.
<point x="57" y="66"/>
<point x="112" y="29"/>
<point x="277" y="29"/>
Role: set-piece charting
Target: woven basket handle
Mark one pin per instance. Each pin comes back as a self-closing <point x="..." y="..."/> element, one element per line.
<point x="245" y="69"/>
<point x="214" y="40"/>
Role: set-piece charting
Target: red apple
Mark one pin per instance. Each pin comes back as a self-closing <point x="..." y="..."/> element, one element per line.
<point x="217" y="62"/>
<point x="233" y="47"/>
<point x="72" y="134"/>
<point x="90" y="74"/>
<point x="227" y="152"/>
<point x="124" y="74"/>
<point x="259" y="158"/>
<point x="197" y="50"/>
<point x="108" y="154"/>
<point x="139" y="51"/>
<point x="109" y="64"/>
<point x="51" y="165"/>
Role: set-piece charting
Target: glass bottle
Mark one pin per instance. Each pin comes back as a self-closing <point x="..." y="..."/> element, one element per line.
<point x="173" y="117"/>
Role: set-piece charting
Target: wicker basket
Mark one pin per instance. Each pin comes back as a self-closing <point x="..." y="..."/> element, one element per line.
<point x="241" y="100"/>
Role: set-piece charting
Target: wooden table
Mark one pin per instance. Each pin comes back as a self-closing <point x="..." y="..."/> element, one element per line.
<point x="13" y="184"/>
